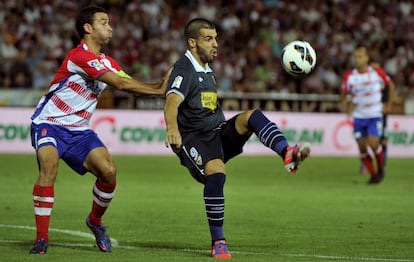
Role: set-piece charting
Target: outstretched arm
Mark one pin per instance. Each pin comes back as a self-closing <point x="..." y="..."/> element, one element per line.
<point x="134" y="86"/>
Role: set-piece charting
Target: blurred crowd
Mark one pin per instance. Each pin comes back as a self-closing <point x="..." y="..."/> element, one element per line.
<point x="148" y="38"/>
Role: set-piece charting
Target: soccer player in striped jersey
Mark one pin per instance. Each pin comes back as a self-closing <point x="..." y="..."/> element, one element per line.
<point x="60" y="124"/>
<point x="383" y="138"/>
<point x="201" y="137"/>
<point x="363" y="100"/>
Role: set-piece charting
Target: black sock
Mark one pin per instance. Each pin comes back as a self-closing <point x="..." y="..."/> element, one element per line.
<point x="214" y="203"/>
<point x="268" y="132"/>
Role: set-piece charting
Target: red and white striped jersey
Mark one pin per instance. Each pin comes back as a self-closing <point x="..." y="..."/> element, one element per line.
<point x="73" y="93"/>
<point x="366" y="91"/>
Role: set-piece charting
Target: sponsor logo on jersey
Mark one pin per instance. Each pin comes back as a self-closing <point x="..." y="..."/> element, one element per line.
<point x="209" y="100"/>
<point x="177" y="82"/>
<point x="96" y="64"/>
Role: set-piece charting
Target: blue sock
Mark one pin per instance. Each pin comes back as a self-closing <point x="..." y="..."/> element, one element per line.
<point x="268" y="132"/>
<point x="214" y="203"/>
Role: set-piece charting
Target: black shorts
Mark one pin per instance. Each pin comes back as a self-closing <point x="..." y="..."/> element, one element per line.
<point x="221" y="143"/>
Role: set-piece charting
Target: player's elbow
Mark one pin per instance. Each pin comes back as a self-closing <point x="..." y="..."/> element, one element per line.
<point x="121" y="84"/>
<point x="172" y="101"/>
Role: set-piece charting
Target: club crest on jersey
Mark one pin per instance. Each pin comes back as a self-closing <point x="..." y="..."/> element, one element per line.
<point x="196" y="156"/>
<point x="177" y="82"/>
<point x="43" y="132"/>
<point x="96" y="64"/>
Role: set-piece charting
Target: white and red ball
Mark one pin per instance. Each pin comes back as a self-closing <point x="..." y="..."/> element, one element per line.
<point x="298" y="58"/>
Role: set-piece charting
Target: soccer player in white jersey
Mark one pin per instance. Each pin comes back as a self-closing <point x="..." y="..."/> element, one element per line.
<point x="364" y="86"/>
<point x="60" y="124"/>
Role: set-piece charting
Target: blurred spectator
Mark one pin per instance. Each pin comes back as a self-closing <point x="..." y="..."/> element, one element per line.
<point x="252" y="34"/>
<point x="19" y="73"/>
<point x="8" y="49"/>
<point x="42" y="76"/>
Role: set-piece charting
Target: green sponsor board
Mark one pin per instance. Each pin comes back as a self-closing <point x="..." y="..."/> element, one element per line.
<point x="304" y="135"/>
<point x="138" y="134"/>
<point x="13" y="132"/>
<point x="400" y="138"/>
<point x="141" y="134"/>
<point x="144" y="134"/>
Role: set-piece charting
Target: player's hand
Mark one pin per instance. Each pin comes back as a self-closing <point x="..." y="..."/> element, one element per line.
<point x="173" y="137"/>
<point x="164" y="83"/>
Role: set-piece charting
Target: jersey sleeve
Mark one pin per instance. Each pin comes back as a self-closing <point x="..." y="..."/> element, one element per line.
<point x="116" y="67"/>
<point x="179" y="82"/>
<point x="384" y="76"/>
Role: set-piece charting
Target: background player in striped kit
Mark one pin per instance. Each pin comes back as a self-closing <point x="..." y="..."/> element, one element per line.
<point x="365" y="85"/>
<point x="60" y="124"/>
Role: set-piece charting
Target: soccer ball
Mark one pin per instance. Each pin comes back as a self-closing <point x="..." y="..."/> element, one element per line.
<point x="298" y="58"/>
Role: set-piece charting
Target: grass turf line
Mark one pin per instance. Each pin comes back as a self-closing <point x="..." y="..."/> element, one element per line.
<point x="325" y="212"/>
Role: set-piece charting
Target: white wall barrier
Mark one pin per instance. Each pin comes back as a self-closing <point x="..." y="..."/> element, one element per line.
<point x="142" y="132"/>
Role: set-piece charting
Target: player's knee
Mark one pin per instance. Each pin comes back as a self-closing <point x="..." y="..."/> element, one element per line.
<point x="48" y="162"/>
<point x="47" y="173"/>
<point x="242" y="122"/>
<point x="249" y="113"/>
<point x="215" y="166"/>
<point x="105" y="171"/>
<point x="109" y="173"/>
<point x="48" y="168"/>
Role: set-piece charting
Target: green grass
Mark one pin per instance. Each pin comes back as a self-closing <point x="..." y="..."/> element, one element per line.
<point x="325" y="212"/>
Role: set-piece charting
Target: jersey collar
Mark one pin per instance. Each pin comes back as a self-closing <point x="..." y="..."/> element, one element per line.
<point x="84" y="46"/>
<point x="196" y="65"/>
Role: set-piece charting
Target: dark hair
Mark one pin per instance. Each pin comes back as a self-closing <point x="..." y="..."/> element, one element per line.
<point x="86" y="16"/>
<point x="364" y="48"/>
<point x="361" y="46"/>
<point x="192" y="29"/>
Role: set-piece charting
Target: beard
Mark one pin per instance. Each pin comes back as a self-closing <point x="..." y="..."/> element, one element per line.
<point x="204" y="55"/>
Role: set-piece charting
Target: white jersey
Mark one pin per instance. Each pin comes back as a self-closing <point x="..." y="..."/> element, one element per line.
<point x="73" y="93"/>
<point x="366" y="91"/>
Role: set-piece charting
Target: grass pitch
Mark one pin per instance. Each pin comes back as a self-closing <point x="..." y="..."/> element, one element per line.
<point x="325" y="212"/>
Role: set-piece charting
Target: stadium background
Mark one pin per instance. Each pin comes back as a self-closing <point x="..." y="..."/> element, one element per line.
<point x="148" y="38"/>
<point x="324" y="213"/>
